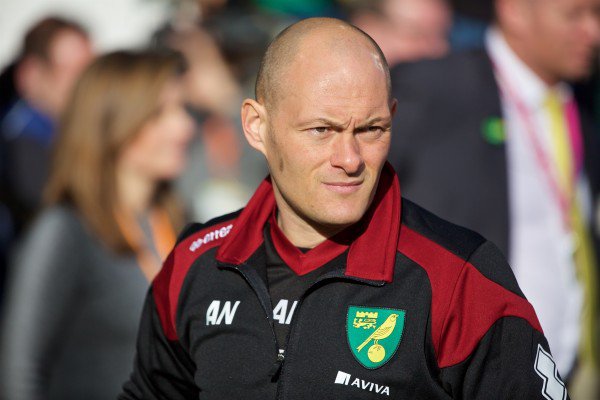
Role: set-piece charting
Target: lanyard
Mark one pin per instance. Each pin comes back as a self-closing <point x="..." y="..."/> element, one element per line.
<point x="162" y="233"/>
<point x="561" y="196"/>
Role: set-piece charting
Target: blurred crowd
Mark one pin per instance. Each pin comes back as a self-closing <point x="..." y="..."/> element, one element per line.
<point x="105" y="157"/>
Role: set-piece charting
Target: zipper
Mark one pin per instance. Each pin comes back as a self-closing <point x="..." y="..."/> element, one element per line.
<point x="333" y="275"/>
<point x="277" y="367"/>
<point x="260" y="289"/>
<point x="277" y="371"/>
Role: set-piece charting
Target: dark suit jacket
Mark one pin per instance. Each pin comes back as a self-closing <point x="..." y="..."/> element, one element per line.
<point x="440" y="150"/>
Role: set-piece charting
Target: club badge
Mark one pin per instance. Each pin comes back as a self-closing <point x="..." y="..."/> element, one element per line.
<point x="374" y="334"/>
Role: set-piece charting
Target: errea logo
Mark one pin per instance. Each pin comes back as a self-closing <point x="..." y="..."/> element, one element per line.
<point x="211" y="236"/>
<point x="344" y="378"/>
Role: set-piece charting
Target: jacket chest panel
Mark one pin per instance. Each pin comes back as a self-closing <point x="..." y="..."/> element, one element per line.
<point x="231" y="341"/>
<point x="320" y="349"/>
<point x="233" y="344"/>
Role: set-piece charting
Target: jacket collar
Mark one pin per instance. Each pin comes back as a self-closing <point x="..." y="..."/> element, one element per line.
<point x="371" y="243"/>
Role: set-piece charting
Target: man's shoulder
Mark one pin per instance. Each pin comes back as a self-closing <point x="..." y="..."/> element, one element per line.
<point x="470" y="282"/>
<point x="452" y="238"/>
<point x="193" y="242"/>
<point x="431" y="93"/>
<point x="456" y="247"/>
<point x="196" y="239"/>
<point x="432" y="72"/>
<point x="198" y="230"/>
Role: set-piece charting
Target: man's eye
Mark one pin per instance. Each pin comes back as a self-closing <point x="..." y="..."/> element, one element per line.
<point x="321" y="129"/>
<point x="375" y="129"/>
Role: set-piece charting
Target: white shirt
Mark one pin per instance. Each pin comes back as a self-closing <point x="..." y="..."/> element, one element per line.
<point x="541" y="247"/>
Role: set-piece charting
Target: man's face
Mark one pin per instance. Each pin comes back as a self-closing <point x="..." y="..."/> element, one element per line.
<point x="561" y="37"/>
<point x="70" y="52"/>
<point x="420" y="29"/>
<point x="329" y="136"/>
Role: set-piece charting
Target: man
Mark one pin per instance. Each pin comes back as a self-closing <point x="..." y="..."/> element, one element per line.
<point x="493" y="141"/>
<point x="33" y="91"/>
<point x="328" y="285"/>
<point x="54" y="53"/>
<point x="406" y="30"/>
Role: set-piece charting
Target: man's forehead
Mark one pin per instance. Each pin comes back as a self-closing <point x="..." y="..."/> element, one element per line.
<point x="322" y="66"/>
<point x="337" y="97"/>
<point x="341" y="115"/>
<point x="315" y="53"/>
<point x="342" y="84"/>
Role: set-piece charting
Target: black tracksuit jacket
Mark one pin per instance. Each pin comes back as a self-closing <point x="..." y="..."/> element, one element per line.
<point x="469" y="333"/>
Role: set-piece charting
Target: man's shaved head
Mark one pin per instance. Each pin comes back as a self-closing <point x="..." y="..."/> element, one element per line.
<point x="323" y="120"/>
<point x="334" y="34"/>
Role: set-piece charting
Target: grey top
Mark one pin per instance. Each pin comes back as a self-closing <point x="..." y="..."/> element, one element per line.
<point x="72" y="313"/>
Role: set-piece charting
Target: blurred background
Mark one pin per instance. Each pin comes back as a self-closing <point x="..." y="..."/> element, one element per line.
<point x="45" y="46"/>
<point x="222" y="42"/>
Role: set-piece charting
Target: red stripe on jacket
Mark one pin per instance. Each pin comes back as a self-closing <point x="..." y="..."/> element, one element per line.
<point x="464" y="303"/>
<point x="166" y="287"/>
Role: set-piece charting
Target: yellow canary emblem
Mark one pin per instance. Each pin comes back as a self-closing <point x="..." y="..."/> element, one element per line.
<point x="383" y="341"/>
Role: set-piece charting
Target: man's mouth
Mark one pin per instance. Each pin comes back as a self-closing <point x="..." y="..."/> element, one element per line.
<point x="344" y="187"/>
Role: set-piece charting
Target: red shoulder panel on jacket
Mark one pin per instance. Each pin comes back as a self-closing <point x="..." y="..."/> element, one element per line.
<point x="167" y="284"/>
<point x="464" y="303"/>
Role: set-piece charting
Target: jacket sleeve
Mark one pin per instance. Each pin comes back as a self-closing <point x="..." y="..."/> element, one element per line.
<point x="44" y="287"/>
<point x="512" y="361"/>
<point x="492" y="345"/>
<point x="162" y="367"/>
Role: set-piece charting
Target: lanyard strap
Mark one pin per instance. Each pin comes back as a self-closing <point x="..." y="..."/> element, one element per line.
<point x="561" y="196"/>
<point x="163" y="235"/>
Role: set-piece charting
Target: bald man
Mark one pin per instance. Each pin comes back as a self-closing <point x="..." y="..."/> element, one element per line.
<point x="328" y="285"/>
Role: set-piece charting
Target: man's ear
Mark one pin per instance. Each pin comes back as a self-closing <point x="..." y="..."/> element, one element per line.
<point x="254" y="124"/>
<point x="393" y="107"/>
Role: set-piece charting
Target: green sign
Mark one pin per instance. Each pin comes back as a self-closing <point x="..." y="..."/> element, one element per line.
<point x="374" y="334"/>
<point x="493" y="132"/>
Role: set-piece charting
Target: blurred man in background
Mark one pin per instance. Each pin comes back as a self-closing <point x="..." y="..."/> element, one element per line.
<point x="34" y="91"/>
<point x="406" y="30"/>
<point x="493" y="140"/>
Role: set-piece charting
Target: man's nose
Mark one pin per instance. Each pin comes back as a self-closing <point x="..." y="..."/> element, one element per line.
<point x="346" y="153"/>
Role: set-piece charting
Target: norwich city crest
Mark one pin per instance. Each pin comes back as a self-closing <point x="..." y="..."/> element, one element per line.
<point x="374" y="334"/>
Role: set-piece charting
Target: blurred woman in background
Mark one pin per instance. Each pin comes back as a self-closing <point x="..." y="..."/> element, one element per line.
<point x="80" y="281"/>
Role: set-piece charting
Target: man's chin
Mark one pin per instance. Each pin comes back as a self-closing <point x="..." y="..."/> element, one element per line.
<point x="339" y="221"/>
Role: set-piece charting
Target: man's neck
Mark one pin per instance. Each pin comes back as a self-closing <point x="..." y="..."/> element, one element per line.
<point x="520" y="50"/>
<point x="298" y="231"/>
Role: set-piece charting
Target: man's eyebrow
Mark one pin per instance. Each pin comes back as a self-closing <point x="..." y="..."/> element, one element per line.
<point x="385" y="121"/>
<point x="322" y="121"/>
